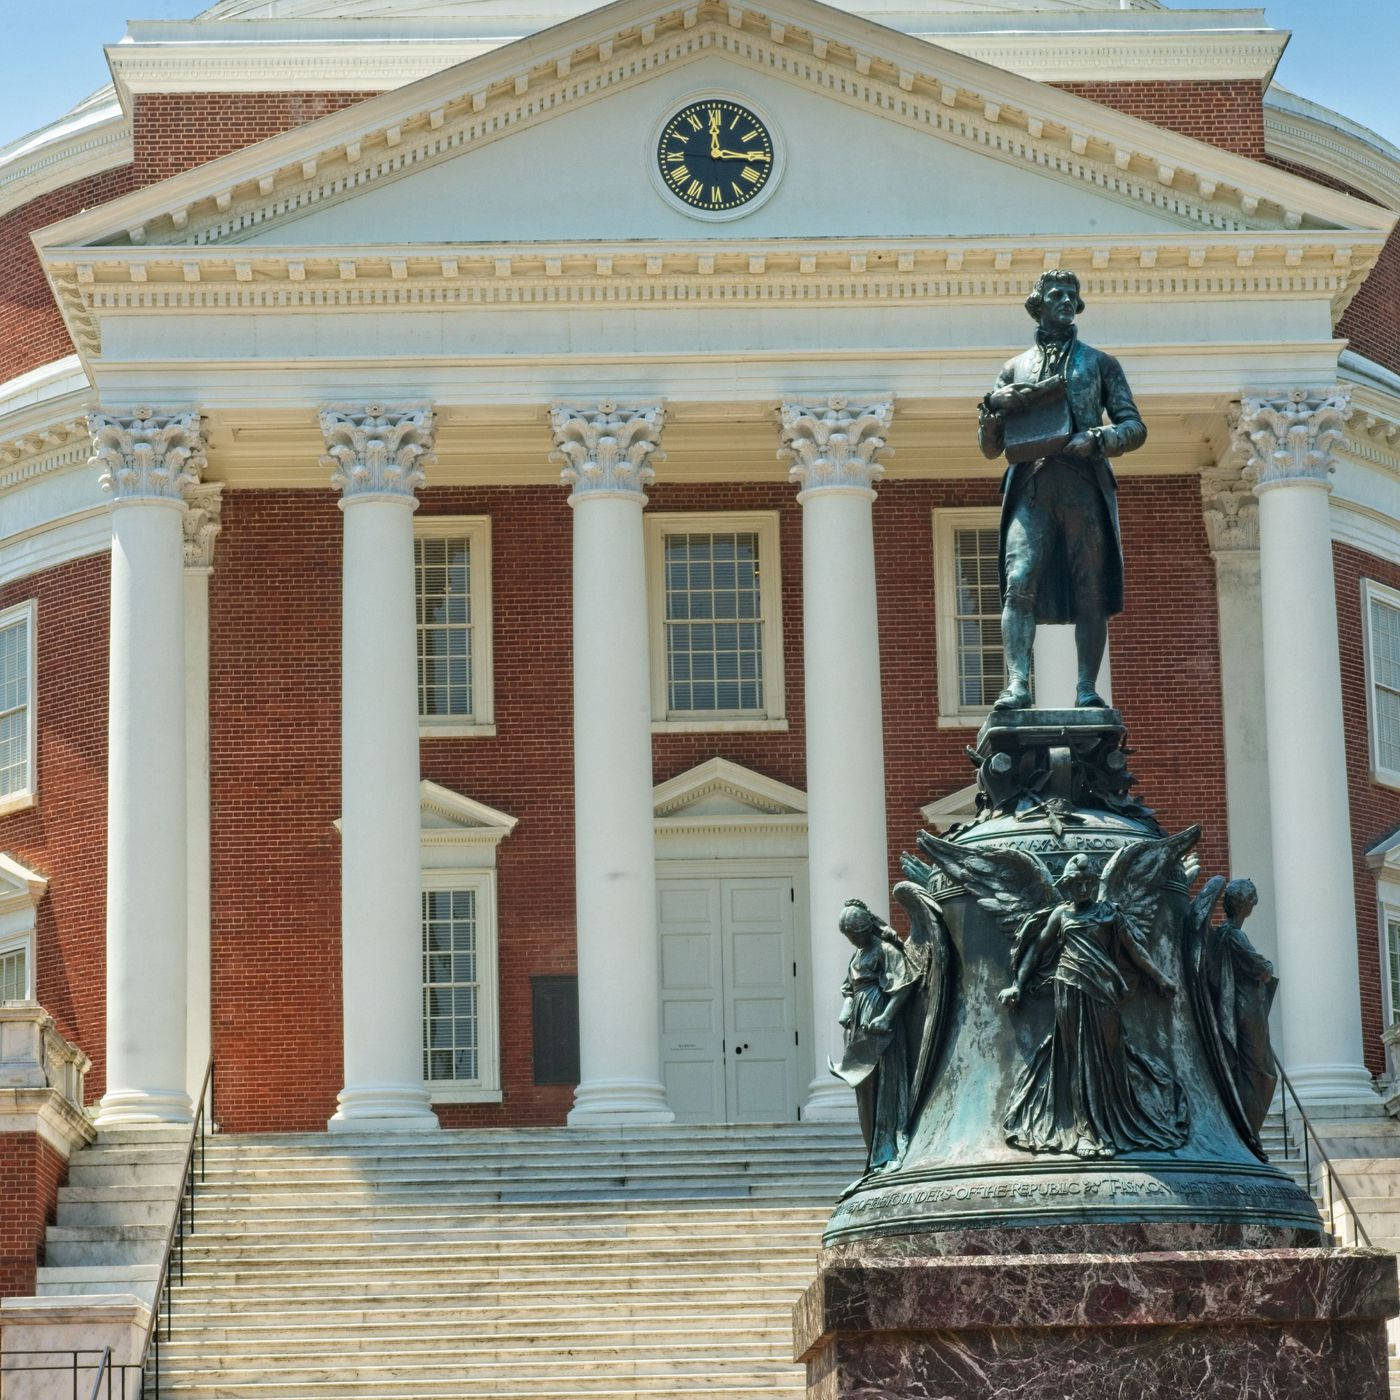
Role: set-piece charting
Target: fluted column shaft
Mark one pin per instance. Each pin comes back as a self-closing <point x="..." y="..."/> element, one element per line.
<point x="149" y="460"/>
<point x="606" y="452"/>
<point x="1288" y="444"/>
<point x="834" y="451"/>
<point x="376" y="454"/>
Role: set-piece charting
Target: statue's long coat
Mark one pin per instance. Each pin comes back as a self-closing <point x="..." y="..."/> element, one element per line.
<point x="1097" y="386"/>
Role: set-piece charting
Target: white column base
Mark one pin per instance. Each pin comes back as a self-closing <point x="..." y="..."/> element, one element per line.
<point x="131" y="1107"/>
<point x="383" y="1108"/>
<point x="607" y="1102"/>
<point x="829" y="1101"/>
<point x="1332" y="1084"/>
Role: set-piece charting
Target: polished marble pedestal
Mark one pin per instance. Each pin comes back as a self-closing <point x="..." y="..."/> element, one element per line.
<point x="1252" y="1324"/>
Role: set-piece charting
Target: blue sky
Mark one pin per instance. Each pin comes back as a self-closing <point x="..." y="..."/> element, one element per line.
<point x="1342" y="54"/>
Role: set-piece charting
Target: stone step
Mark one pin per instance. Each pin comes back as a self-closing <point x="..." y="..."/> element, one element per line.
<point x="476" y="1327"/>
<point x="771" y="1386"/>
<point x="584" y="1372"/>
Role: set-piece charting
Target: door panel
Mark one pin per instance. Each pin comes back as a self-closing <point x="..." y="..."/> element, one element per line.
<point x="692" y="1011"/>
<point x="728" y="999"/>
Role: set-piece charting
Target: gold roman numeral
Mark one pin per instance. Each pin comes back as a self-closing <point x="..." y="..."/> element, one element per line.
<point x="693" y="120"/>
<point x="715" y="196"/>
<point x="675" y="157"/>
<point x="679" y="174"/>
<point x="738" y="193"/>
<point x="750" y="174"/>
<point x="692" y="190"/>
<point x="752" y="135"/>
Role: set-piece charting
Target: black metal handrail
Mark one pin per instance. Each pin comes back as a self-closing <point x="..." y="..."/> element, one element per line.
<point x="75" y="1366"/>
<point x="181" y="1224"/>
<point x="1332" y="1182"/>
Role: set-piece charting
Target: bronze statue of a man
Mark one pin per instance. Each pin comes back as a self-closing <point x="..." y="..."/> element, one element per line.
<point x="1061" y="555"/>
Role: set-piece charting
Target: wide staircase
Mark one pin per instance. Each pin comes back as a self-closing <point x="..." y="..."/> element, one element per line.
<point x="659" y="1262"/>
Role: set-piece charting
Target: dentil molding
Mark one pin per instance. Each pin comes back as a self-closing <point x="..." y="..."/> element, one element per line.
<point x="377" y="449"/>
<point x="607" y="449"/>
<point x="1293" y="438"/>
<point x="146" y="454"/>
<point x="832" y="445"/>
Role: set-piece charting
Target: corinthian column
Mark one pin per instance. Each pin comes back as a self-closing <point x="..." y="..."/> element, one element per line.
<point x="149" y="460"/>
<point x="376" y="454"/>
<point x="835" y="451"/>
<point x="606" y="454"/>
<point x="1287" y="444"/>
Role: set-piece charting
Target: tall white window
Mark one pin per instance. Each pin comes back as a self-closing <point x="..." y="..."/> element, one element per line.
<point x="18" y="754"/>
<point x="716" y="621"/>
<point x="1390" y="918"/>
<point x="452" y="566"/>
<point x="1382" y="625"/>
<point x="971" y="663"/>
<point x="460" y="1055"/>
<point x="14" y="972"/>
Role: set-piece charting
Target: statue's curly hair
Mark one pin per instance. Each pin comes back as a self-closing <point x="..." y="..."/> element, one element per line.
<point x="1047" y="278"/>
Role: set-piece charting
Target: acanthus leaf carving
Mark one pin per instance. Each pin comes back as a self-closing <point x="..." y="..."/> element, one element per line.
<point x="833" y="445"/>
<point x="1292" y="437"/>
<point x="147" y="454"/>
<point x="609" y="448"/>
<point x="202" y="523"/>
<point x="377" y="449"/>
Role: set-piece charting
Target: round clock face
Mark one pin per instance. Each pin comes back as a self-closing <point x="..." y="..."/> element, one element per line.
<point x="715" y="155"/>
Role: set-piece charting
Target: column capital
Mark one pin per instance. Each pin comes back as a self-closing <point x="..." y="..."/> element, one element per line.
<point x="1228" y="505"/>
<point x="835" y="446"/>
<point x="607" y="450"/>
<point x="147" y="454"/>
<point x="377" y="449"/>
<point x="202" y="523"/>
<point x="1289" y="439"/>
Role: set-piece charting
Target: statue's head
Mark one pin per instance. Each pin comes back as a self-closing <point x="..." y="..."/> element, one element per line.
<point x="1239" y="899"/>
<point x="1055" y="302"/>
<point x="857" y="922"/>
<point x="1079" y="880"/>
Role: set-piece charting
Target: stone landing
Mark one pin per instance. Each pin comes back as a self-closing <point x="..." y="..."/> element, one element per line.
<point x="1270" y="1324"/>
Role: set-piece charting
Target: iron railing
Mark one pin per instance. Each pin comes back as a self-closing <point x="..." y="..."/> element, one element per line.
<point x="109" y="1383"/>
<point x="182" y="1223"/>
<point x="1331" y="1184"/>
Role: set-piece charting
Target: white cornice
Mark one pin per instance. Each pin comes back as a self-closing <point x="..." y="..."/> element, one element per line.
<point x="94" y="137"/>
<point x="1316" y="138"/>
<point x="93" y="282"/>
<point x="846" y="59"/>
<point x="719" y="777"/>
<point x="43" y="423"/>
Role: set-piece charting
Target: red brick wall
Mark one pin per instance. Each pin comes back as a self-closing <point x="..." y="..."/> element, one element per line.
<point x="1375" y="809"/>
<point x="1226" y="112"/>
<point x="30" y="1174"/>
<point x="64" y="837"/>
<point x="171" y="132"/>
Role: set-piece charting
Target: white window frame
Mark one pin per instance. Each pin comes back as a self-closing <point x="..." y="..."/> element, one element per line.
<point x="481" y="723"/>
<point x="27" y="796"/>
<point x="486" y="1088"/>
<point x="1371" y="591"/>
<point x="952" y="714"/>
<point x="22" y="943"/>
<point x="763" y="523"/>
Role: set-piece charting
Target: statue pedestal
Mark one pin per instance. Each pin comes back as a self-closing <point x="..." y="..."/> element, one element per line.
<point x="1269" y="1324"/>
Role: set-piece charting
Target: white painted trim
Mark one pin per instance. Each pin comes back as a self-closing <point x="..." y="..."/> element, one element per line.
<point x="765" y="795"/>
<point x="22" y="943"/>
<point x="1371" y="591"/>
<point x="1387" y="908"/>
<point x="1364" y="528"/>
<point x="764" y="523"/>
<point x="487" y="1087"/>
<point x="21" y="889"/>
<point x="953" y="809"/>
<point x="28" y="613"/>
<point x="951" y="712"/>
<point x="481" y="723"/>
<point x="94" y="136"/>
<point x="44" y="546"/>
<point x="1317" y="138"/>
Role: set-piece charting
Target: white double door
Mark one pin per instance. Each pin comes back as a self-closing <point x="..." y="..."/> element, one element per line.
<point x="729" y="1029"/>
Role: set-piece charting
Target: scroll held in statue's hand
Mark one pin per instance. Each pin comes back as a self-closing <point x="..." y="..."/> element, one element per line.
<point x="1039" y="424"/>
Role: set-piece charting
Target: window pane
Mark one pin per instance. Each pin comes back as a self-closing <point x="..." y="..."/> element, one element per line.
<point x="443" y="575"/>
<point x="977" y="618"/>
<point x="1385" y="683"/>
<point x="712" y="583"/>
<point x="1392" y="938"/>
<point x="14" y="707"/>
<point x="14" y="975"/>
<point x="451" y="989"/>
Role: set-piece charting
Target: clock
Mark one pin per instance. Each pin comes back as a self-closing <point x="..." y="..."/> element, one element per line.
<point x="716" y="157"/>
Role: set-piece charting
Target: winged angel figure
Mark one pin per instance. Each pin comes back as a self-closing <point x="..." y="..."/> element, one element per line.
<point x="895" y="1003"/>
<point x="1086" y="1089"/>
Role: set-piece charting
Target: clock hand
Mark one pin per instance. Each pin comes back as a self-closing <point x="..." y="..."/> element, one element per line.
<point x="717" y="154"/>
<point x="714" y="135"/>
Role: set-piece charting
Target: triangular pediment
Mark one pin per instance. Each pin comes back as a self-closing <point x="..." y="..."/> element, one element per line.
<point x="888" y="133"/>
<point x="20" y="887"/>
<point x="720" y="789"/>
<point x="954" y="809"/>
<point x="446" y="811"/>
